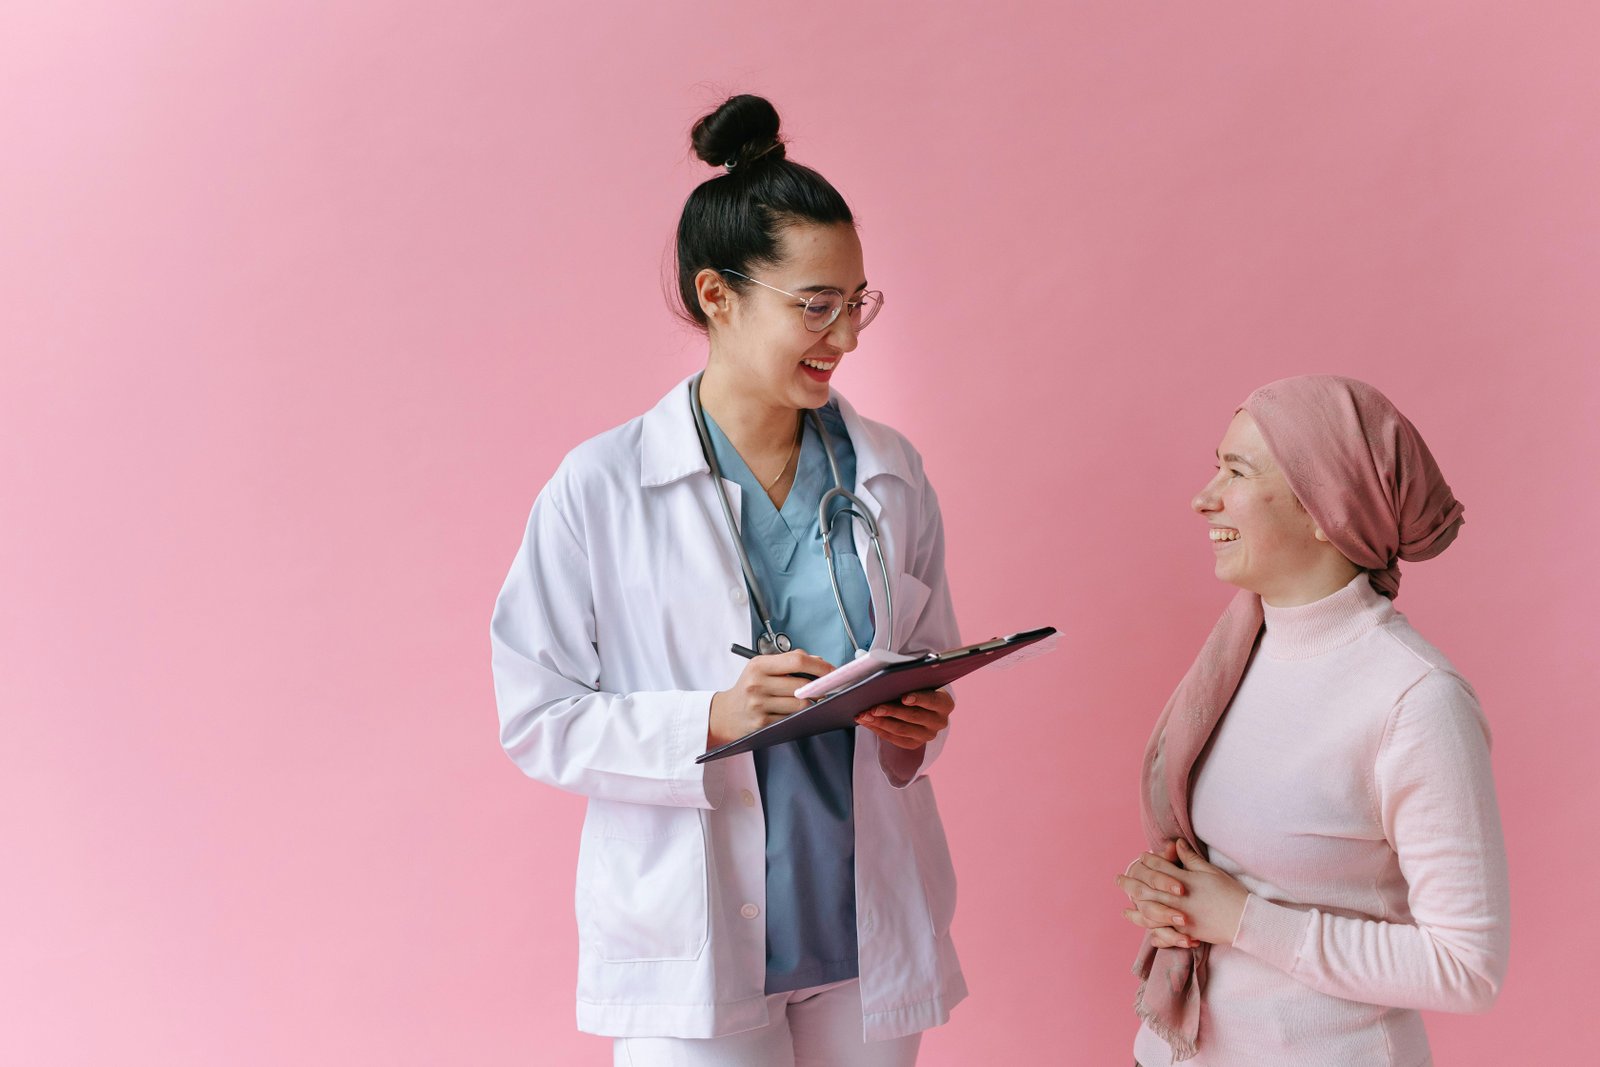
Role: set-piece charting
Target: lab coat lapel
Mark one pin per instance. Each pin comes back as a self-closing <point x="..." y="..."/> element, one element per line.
<point x="878" y="456"/>
<point x="736" y="505"/>
<point x="869" y="565"/>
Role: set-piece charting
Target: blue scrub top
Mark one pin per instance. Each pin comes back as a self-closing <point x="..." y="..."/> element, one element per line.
<point x="806" y="789"/>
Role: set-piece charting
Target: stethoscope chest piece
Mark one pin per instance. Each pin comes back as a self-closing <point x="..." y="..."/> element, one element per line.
<point x="770" y="644"/>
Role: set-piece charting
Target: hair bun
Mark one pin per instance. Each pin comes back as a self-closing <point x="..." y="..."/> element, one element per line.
<point x="741" y="131"/>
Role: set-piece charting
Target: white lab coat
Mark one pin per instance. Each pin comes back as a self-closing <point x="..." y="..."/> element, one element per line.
<point x="610" y="637"/>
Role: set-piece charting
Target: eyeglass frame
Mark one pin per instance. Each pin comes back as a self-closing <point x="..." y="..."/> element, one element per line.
<point x="844" y="301"/>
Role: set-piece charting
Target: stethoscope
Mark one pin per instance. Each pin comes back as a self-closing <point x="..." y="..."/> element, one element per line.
<point x="771" y="642"/>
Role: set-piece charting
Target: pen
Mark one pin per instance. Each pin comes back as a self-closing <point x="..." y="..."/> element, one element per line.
<point x="750" y="653"/>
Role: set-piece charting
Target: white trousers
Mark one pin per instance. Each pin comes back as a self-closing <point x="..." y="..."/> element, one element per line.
<point x="816" y="1027"/>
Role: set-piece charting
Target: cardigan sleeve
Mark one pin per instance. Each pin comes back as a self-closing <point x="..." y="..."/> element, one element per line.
<point x="1436" y="799"/>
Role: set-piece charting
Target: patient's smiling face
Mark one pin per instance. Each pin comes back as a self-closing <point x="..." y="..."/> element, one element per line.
<point x="1264" y="541"/>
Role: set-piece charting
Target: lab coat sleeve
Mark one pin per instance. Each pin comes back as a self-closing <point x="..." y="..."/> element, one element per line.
<point x="934" y="628"/>
<point x="556" y="723"/>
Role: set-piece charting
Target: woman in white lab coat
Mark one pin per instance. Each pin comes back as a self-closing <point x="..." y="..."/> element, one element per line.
<point x="794" y="905"/>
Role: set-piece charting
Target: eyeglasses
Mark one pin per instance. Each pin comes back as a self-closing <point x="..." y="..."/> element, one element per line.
<point x="821" y="310"/>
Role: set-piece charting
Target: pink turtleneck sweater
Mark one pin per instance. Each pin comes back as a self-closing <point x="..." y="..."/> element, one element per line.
<point x="1348" y="788"/>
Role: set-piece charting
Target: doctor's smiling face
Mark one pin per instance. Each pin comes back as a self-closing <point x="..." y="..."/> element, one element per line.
<point x="1262" y="537"/>
<point x="760" y="346"/>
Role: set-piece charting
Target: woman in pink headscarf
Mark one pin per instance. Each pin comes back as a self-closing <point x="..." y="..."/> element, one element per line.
<point x="1325" y="857"/>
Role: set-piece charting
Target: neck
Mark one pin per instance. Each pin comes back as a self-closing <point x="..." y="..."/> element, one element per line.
<point x="1312" y="586"/>
<point x="1334" y="621"/>
<point x="757" y="428"/>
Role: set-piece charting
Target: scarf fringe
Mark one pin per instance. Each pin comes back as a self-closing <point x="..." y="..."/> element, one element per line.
<point x="1182" y="1048"/>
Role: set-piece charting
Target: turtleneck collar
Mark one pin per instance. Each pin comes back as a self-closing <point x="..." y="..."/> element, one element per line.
<point x="1324" y="625"/>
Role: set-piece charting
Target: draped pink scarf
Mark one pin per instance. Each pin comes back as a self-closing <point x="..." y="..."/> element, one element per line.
<point x="1365" y="475"/>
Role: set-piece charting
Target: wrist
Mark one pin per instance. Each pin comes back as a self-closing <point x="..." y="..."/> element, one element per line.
<point x="1241" y="905"/>
<point x="713" y="738"/>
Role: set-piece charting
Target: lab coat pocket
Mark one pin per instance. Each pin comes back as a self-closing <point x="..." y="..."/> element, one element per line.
<point x="910" y="597"/>
<point x="651" y="902"/>
<point x="934" y="865"/>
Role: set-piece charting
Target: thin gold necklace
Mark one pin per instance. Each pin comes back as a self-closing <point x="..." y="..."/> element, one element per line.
<point x="800" y="429"/>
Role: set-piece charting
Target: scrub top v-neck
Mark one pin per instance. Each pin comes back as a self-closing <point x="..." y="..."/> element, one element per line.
<point x="806" y="789"/>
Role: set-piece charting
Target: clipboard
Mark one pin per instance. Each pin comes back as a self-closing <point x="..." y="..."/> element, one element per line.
<point x="889" y="683"/>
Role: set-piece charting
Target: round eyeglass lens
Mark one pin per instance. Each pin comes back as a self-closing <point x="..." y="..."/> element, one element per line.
<point x="822" y="309"/>
<point x="865" y="308"/>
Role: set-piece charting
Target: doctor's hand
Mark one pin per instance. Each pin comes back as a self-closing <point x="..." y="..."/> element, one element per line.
<point x="914" y="721"/>
<point x="763" y="694"/>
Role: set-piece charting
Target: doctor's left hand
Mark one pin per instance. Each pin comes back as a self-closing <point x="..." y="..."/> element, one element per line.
<point x="914" y="721"/>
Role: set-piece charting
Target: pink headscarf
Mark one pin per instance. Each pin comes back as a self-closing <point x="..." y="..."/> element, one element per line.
<point x="1365" y="475"/>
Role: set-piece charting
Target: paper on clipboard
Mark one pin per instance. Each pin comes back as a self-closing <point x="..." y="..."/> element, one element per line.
<point x="884" y="682"/>
<point x="866" y="663"/>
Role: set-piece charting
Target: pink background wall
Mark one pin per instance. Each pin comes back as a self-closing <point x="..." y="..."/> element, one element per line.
<point x="301" y="303"/>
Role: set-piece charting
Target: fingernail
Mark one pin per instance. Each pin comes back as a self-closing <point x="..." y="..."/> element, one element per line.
<point x="1180" y="920"/>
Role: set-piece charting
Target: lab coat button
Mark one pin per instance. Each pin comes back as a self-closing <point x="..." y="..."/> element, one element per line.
<point x="749" y="911"/>
<point x="738" y="595"/>
<point x="749" y="798"/>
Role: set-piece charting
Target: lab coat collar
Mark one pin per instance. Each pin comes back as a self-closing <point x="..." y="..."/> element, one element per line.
<point x="670" y="445"/>
<point x="879" y="450"/>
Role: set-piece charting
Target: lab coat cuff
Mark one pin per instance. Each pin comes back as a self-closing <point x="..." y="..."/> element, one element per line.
<point x="902" y="766"/>
<point x="1271" y="932"/>
<point x="702" y="783"/>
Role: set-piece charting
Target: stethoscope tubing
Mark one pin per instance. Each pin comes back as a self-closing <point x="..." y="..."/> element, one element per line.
<point x="854" y="506"/>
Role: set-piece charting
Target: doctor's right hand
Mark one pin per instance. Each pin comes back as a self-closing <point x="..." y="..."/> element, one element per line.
<point x="763" y="694"/>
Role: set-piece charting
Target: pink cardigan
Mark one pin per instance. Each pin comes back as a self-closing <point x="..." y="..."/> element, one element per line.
<point x="1349" y="789"/>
